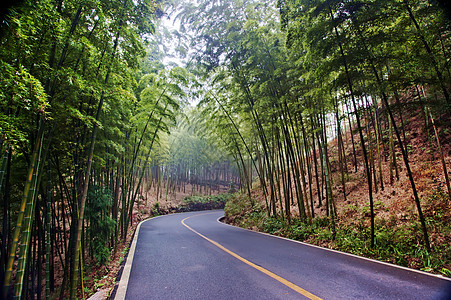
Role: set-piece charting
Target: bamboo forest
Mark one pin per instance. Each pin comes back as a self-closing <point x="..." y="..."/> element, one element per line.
<point x="324" y="121"/>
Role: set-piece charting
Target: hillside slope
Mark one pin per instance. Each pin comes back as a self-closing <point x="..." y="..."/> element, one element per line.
<point x="398" y="237"/>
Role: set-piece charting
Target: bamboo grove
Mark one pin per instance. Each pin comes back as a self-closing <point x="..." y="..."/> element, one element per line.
<point x="90" y="119"/>
<point x="194" y="165"/>
<point x="83" y="109"/>
<point x="284" y="79"/>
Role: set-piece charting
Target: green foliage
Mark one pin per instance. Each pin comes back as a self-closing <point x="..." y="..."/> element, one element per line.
<point x="351" y="209"/>
<point x="195" y="203"/>
<point x="84" y="65"/>
<point x="156" y="209"/>
<point x="238" y="205"/>
<point x="399" y="245"/>
<point x="22" y="92"/>
<point x="272" y="224"/>
<point x="395" y="243"/>
<point x="101" y="225"/>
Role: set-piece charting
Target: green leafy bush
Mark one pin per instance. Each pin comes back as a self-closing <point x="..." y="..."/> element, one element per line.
<point x="100" y="224"/>
<point x="195" y="203"/>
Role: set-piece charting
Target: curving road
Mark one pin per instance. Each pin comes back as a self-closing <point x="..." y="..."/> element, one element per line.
<point x="193" y="256"/>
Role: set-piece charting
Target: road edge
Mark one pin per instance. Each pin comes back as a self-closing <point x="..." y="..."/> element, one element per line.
<point x="123" y="282"/>
<point x="341" y="252"/>
<point x="121" y="290"/>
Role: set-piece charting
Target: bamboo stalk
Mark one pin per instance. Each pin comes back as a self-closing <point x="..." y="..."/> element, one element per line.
<point x="442" y="158"/>
<point x="28" y="218"/>
<point x="21" y="215"/>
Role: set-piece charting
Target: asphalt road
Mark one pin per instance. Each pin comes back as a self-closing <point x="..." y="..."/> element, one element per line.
<point x="193" y="256"/>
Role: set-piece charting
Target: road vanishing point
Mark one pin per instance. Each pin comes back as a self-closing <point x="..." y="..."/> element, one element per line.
<point x="194" y="256"/>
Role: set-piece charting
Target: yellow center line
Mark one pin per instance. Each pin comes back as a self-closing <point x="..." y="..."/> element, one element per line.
<point x="261" y="269"/>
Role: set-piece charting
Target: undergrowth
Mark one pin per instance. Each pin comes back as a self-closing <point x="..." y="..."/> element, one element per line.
<point x="398" y="242"/>
<point x="194" y="203"/>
